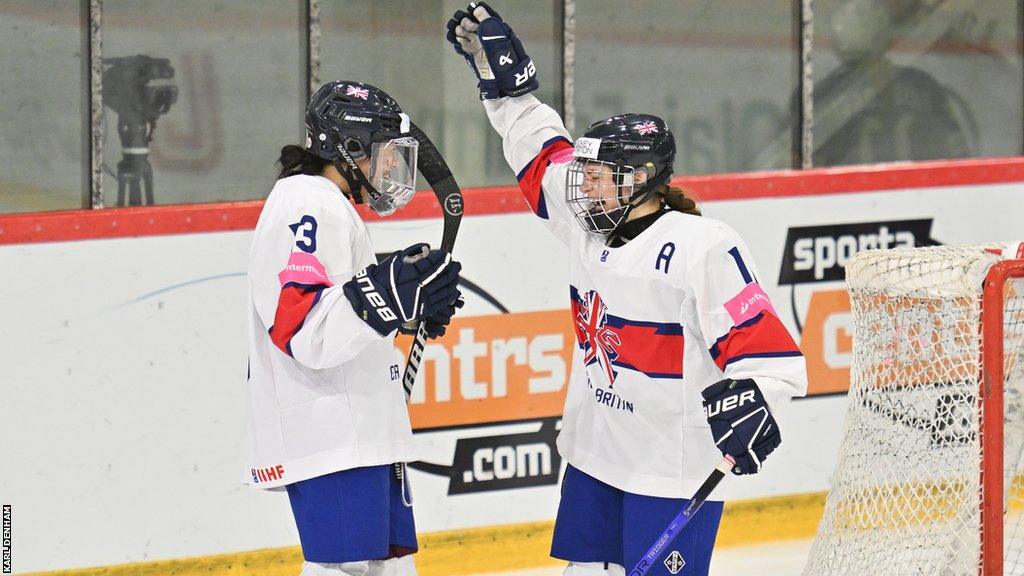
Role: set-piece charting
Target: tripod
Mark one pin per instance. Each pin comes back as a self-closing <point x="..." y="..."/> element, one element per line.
<point x="134" y="172"/>
<point x="126" y="90"/>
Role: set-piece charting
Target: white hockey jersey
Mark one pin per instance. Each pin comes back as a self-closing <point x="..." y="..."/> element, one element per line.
<point x="657" y="320"/>
<point x="325" y="390"/>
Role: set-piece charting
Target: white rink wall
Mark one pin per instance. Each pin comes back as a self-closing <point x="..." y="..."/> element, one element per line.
<point x="123" y="391"/>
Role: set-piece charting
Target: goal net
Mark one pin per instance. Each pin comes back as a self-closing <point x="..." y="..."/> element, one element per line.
<point x="929" y="479"/>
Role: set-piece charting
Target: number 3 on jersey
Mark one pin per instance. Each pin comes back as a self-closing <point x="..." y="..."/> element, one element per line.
<point x="305" y="233"/>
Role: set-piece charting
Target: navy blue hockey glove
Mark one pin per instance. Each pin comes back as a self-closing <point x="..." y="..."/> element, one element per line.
<point x="463" y="37"/>
<point x="742" y="425"/>
<point x="408" y="285"/>
<point x="437" y="323"/>
<point x="493" y="51"/>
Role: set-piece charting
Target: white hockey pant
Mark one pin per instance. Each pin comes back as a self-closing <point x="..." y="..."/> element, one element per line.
<point x="403" y="566"/>
<point x="593" y="569"/>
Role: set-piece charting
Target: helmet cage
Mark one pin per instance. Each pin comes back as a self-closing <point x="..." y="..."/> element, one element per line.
<point x="601" y="208"/>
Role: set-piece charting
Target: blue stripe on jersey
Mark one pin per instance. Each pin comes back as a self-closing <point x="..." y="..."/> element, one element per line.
<point x="790" y="354"/>
<point x="547" y="143"/>
<point x="763" y="336"/>
<point x="715" y="349"/>
<point x="663" y="328"/>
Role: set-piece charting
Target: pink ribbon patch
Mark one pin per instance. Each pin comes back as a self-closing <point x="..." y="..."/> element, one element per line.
<point x="562" y="156"/>
<point x="304" y="268"/>
<point x="748" y="303"/>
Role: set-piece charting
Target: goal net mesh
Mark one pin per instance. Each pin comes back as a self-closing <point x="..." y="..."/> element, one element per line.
<point x="906" y="493"/>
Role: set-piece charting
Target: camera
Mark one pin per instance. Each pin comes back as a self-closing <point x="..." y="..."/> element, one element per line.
<point x="127" y="91"/>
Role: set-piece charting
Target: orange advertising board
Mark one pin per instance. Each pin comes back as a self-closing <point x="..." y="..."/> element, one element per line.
<point x="827" y="342"/>
<point x="493" y="368"/>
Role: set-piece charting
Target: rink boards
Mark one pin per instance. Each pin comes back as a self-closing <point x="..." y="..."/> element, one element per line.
<point x="124" y="346"/>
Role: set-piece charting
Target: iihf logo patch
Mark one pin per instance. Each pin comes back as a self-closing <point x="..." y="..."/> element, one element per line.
<point x="675" y="562"/>
<point x="604" y="256"/>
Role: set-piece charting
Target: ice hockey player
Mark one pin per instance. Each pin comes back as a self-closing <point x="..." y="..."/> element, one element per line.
<point x="681" y="356"/>
<point x="328" y="413"/>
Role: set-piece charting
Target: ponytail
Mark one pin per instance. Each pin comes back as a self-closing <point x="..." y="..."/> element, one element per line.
<point x="297" y="160"/>
<point x="678" y="199"/>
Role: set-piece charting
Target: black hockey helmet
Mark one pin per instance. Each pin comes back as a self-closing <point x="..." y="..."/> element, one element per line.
<point x="628" y="143"/>
<point x="637" y="140"/>
<point x="347" y="121"/>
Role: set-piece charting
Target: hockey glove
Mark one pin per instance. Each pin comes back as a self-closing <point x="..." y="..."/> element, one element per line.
<point x="742" y="425"/>
<point x="493" y="51"/>
<point x="462" y="35"/>
<point x="437" y="323"/>
<point x="406" y="286"/>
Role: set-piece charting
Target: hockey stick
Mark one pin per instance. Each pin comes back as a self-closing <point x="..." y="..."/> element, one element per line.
<point x="433" y="167"/>
<point x="683" y="517"/>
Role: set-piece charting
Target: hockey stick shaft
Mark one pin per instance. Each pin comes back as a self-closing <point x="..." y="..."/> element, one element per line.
<point x="684" y="516"/>
<point x="433" y="167"/>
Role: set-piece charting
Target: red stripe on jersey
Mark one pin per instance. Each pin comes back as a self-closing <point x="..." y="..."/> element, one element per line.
<point x="293" y="305"/>
<point x="655" y="350"/>
<point x="763" y="336"/>
<point x="531" y="176"/>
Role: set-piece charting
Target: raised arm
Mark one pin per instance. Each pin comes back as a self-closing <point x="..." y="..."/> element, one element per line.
<point x="536" y="144"/>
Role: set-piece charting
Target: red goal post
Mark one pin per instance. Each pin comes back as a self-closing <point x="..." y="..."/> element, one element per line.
<point x="930" y="475"/>
<point x="991" y="397"/>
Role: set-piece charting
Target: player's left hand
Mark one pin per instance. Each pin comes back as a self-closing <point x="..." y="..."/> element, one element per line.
<point x="493" y="50"/>
<point x="437" y="323"/>
<point x="742" y="425"/>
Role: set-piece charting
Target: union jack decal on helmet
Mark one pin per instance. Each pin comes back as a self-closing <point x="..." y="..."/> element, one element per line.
<point x="646" y="127"/>
<point x="358" y="92"/>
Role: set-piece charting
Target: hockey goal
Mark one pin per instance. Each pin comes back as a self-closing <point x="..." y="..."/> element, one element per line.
<point x="929" y="479"/>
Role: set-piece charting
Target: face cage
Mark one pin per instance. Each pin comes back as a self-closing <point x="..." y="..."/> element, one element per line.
<point x="393" y="174"/>
<point x="584" y="197"/>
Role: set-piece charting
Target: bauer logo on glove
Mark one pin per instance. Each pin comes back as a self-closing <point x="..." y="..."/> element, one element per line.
<point x="407" y="286"/>
<point x="742" y="425"/>
<point x="729" y="403"/>
<point x="373" y="298"/>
